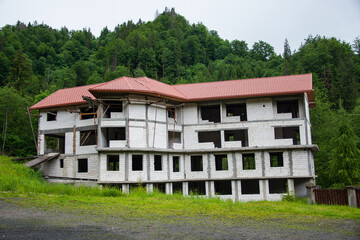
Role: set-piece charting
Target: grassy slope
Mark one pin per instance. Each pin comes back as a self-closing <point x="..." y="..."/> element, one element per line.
<point x="25" y="184"/>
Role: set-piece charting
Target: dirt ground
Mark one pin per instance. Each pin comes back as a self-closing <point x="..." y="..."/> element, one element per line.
<point x="19" y="223"/>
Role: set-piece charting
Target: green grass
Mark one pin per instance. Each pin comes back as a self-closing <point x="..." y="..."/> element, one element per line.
<point x="26" y="185"/>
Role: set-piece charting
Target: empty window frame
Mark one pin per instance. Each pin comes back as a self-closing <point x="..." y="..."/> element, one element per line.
<point x="55" y="143"/>
<point x="210" y="136"/>
<point x="223" y="187"/>
<point x="237" y="110"/>
<point x="237" y="135"/>
<point x="51" y="116"/>
<point x="277" y="186"/>
<point x="113" y="162"/>
<point x="221" y="162"/>
<point x="173" y="137"/>
<point x="288" y="133"/>
<point x="157" y="162"/>
<point x="116" y="133"/>
<point x="82" y="165"/>
<point x="88" y="113"/>
<point x="61" y="163"/>
<point x="210" y="113"/>
<point x="248" y="161"/>
<point x="171" y="113"/>
<point x="177" y="187"/>
<point x="176" y="163"/>
<point x="160" y="187"/>
<point x="112" y="106"/>
<point x="250" y="186"/>
<point x="196" y="163"/>
<point x="196" y="188"/>
<point x="288" y="106"/>
<point x="276" y="159"/>
<point x="137" y="162"/>
<point x="87" y="138"/>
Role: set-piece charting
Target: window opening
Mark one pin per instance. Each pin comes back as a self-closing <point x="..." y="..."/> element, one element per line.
<point x="288" y="133"/>
<point x="174" y="137"/>
<point x="88" y="113"/>
<point x="250" y="186"/>
<point x="82" y="165"/>
<point x="113" y="162"/>
<point x="277" y="186"/>
<point x="196" y="163"/>
<point x="210" y="136"/>
<point x="237" y="110"/>
<point x="61" y="163"/>
<point x="177" y="187"/>
<point x="116" y="133"/>
<point x="288" y="106"/>
<point x="157" y="162"/>
<point x="276" y="159"/>
<point x="176" y="164"/>
<point x="55" y="143"/>
<point x="137" y="162"/>
<point x="210" y="113"/>
<point x="197" y="188"/>
<point x="221" y="162"/>
<point x="51" y="116"/>
<point x="87" y="138"/>
<point x="248" y="161"/>
<point x="112" y="106"/>
<point x="223" y="187"/>
<point x="237" y="135"/>
<point x="160" y="187"/>
<point x="171" y="113"/>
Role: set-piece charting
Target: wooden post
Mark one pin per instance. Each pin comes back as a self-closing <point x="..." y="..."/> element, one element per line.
<point x="74" y="139"/>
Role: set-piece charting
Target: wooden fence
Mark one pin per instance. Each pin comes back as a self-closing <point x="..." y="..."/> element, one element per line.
<point x="357" y="192"/>
<point x="332" y="196"/>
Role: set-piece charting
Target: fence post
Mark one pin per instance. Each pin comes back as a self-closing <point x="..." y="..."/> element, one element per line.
<point x="351" y="193"/>
<point x="310" y="193"/>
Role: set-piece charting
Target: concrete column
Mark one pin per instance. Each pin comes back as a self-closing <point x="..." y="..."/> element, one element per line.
<point x="310" y="193"/>
<point x="125" y="188"/>
<point x="351" y="192"/>
<point x="185" y="188"/>
<point x="291" y="186"/>
<point x="168" y="188"/>
<point x="265" y="189"/>
<point x="210" y="188"/>
<point x="149" y="187"/>
<point x="234" y="190"/>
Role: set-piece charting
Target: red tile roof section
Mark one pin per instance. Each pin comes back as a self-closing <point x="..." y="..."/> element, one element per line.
<point x="138" y="85"/>
<point x="185" y="92"/>
<point x="247" y="87"/>
<point x="65" y="97"/>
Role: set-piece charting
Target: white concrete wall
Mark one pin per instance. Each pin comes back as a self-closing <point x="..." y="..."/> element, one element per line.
<point x="113" y="176"/>
<point x="64" y="119"/>
<point x="259" y="109"/>
<point x="138" y="176"/>
<point x="159" y="175"/>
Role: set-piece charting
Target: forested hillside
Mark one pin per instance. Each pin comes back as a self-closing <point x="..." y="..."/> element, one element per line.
<point x="36" y="60"/>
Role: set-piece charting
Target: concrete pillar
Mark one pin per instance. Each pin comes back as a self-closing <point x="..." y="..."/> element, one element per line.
<point x="310" y="193"/>
<point x="351" y="192"/>
<point x="210" y="188"/>
<point x="291" y="186"/>
<point x="168" y="188"/>
<point x="149" y="187"/>
<point x="265" y="190"/>
<point x="185" y="188"/>
<point x="125" y="188"/>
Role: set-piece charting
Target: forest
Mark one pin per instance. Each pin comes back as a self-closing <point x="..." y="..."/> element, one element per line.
<point x="36" y="60"/>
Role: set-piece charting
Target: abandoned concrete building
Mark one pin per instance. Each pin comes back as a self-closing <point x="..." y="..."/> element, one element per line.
<point x="243" y="140"/>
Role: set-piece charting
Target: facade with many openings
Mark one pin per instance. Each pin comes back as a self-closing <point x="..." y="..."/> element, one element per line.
<point x="241" y="139"/>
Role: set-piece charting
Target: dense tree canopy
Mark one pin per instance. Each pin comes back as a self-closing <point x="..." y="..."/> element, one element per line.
<point x="36" y="60"/>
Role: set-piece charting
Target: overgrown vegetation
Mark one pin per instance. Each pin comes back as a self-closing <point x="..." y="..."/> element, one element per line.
<point x="19" y="181"/>
<point x="36" y="60"/>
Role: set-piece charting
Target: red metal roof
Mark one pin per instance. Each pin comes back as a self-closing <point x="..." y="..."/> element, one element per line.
<point x="65" y="97"/>
<point x="138" y="85"/>
<point x="256" y="87"/>
<point x="247" y="87"/>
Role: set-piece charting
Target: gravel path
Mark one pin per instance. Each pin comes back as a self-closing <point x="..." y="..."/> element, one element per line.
<point x="29" y="223"/>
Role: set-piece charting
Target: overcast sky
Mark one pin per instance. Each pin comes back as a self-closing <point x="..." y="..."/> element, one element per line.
<point x="268" y="20"/>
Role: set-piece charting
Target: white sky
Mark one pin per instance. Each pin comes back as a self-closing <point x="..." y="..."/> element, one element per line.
<point x="251" y="20"/>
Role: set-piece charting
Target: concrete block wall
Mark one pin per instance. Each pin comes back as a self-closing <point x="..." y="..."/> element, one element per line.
<point x="111" y="176"/>
<point x="64" y="119"/>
